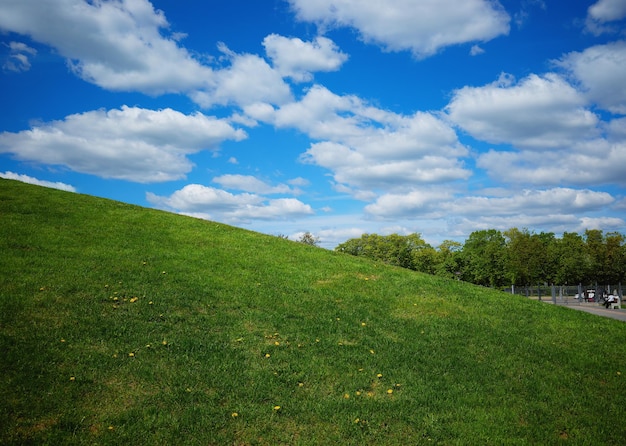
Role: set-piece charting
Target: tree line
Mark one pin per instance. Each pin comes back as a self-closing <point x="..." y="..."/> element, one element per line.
<point x="502" y="258"/>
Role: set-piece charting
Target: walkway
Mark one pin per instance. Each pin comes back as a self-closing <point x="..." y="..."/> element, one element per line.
<point x="593" y="308"/>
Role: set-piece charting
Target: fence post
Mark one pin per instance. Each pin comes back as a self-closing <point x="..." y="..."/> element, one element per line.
<point x="553" y="294"/>
<point x="539" y="292"/>
<point x="580" y="293"/>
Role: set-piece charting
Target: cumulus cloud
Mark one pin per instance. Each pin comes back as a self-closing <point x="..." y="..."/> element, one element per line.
<point x="130" y="143"/>
<point x="539" y="112"/>
<point x="18" y="58"/>
<point x="117" y="45"/>
<point x="602" y="163"/>
<point x="30" y="180"/>
<point x="248" y="80"/>
<point x="422" y="27"/>
<point x="549" y="208"/>
<point x="219" y="205"/>
<point x="367" y="147"/>
<point x="249" y="183"/>
<point x="600" y="70"/>
<point x="124" y="45"/>
<point x="601" y="13"/>
<point x="294" y="58"/>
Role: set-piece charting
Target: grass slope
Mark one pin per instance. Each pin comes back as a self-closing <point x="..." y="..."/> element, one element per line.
<point x="123" y="325"/>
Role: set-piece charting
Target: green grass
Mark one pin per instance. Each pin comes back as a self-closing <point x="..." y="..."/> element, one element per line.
<point x="222" y="321"/>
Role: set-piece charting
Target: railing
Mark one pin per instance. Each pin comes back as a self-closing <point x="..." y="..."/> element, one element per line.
<point x="567" y="293"/>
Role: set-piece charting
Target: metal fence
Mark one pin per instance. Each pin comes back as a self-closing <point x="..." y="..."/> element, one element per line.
<point x="567" y="293"/>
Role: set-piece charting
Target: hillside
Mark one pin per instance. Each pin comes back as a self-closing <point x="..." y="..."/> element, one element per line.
<point x="124" y="325"/>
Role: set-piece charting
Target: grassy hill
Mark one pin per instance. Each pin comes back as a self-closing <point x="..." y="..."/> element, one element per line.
<point x="123" y="325"/>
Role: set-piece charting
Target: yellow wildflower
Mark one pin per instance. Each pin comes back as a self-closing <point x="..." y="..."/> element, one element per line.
<point x="234" y="414"/>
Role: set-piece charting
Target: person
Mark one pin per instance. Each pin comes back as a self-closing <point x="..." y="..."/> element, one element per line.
<point x="609" y="301"/>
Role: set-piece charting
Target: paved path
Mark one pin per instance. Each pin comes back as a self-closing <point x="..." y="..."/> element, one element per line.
<point x="594" y="308"/>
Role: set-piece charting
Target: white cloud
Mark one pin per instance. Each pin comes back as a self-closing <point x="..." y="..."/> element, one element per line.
<point x="600" y="70"/>
<point x="123" y="45"/>
<point x="131" y="143"/>
<point x="422" y="203"/>
<point x="601" y="164"/>
<point x="248" y="80"/>
<point x="539" y="112"/>
<point x="249" y="183"/>
<point x="556" y="209"/>
<point x="476" y="50"/>
<point x="117" y="45"/>
<point x="422" y="27"/>
<point x="603" y="12"/>
<point x="219" y="205"/>
<point x="18" y="59"/>
<point x="297" y="59"/>
<point x="30" y="180"/>
<point x="367" y="147"/>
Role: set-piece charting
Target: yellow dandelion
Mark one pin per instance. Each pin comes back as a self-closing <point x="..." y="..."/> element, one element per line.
<point x="367" y="278"/>
<point x="346" y="396"/>
<point x="276" y="408"/>
<point x="619" y="373"/>
<point x="150" y="303"/>
<point x="234" y="414"/>
<point x="131" y="354"/>
<point x="164" y="342"/>
<point x="372" y="352"/>
<point x="380" y="375"/>
<point x="389" y="391"/>
<point x="276" y="343"/>
<point x="134" y="299"/>
<point x="267" y="355"/>
<point x="363" y="324"/>
<point x="357" y="393"/>
<point x="111" y="428"/>
<point x="300" y="384"/>
<point x="62" y="340"/>
<point x="148" y="345"/>
<point x="356" y="421"/>
<point x="72" y="378"/>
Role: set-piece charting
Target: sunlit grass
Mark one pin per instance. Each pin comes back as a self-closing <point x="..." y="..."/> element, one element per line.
<point x="121" y="325"/>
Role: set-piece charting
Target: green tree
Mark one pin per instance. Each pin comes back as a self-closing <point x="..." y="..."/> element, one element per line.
<point x="309" y="239"/>
<point x="595" y="250"/>
<point x="484" y="258"/>
<point x="523" y="255"/>
<point x="449" y="259"/>
<point x="615" y="262"/>
<point x="407" y="251"/>
<point x="572" y="267"/>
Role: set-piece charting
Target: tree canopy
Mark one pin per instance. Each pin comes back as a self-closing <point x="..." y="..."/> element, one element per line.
<point x="513" y="257"/>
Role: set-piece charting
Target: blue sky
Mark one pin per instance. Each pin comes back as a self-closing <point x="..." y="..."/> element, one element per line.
<point x="337" y="117"/>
